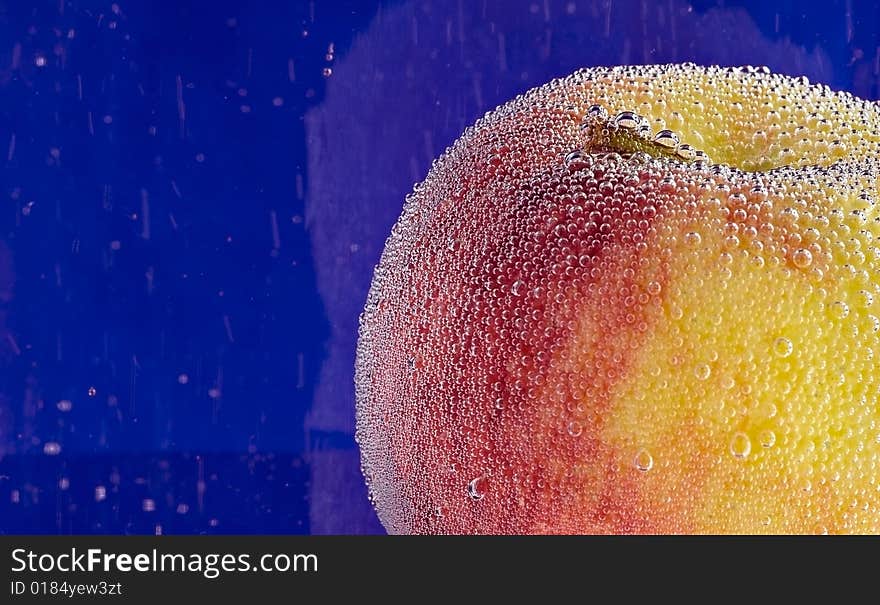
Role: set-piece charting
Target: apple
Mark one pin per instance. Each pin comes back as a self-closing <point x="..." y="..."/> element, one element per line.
<point x="634" y="300"/>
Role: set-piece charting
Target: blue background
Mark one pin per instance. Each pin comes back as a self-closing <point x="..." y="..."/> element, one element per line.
<point x="193" y="195"/>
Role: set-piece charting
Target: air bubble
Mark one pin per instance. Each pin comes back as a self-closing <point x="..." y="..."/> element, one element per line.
<point x="643" y="461"/>
<point x="692" y="239"/>
<point x="686" y="152"/>
<point x="802" y="258"/>
<point x="597" y="112"/>
<point x="475" y="489"/>
<point x="667" y="139"/>
<point x="575" y="160"/>
<point x="840" y="309"/>
<point x="767" y="438"/>
<point x="740" y="445"/>
<point x="627" y="119"/>
<point x="782" y="347"/>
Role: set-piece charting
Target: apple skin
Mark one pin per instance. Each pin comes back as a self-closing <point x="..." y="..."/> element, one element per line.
<point x="608" y="342"/>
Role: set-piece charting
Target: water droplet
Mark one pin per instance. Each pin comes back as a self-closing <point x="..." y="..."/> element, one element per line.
<point x="65" y="405"/>
<point x="517" y="288"/>
<point x="740" y="445"/>
<point x="782" y="347"/>
<point x="654" y="288"/>
<point x="643" y="460"/>
<point x="92" y="391"/>
<point x="575" y="429"/>
<point x="475" y="489"/>
<point x="51" y="448"/>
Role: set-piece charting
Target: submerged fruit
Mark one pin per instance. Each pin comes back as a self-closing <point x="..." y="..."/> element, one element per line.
<point x="639" y="299"/>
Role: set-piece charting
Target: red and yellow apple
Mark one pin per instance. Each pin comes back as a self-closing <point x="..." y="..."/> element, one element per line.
<point x="580" y="324"/>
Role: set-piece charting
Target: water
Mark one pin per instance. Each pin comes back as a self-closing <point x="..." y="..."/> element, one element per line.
<point x="195" y="196"/>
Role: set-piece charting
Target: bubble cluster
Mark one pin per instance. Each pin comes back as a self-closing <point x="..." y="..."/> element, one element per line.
<point x="637" y="299"/>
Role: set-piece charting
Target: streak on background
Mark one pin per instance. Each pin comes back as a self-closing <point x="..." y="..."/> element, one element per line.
<point x="193" y="195"/>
